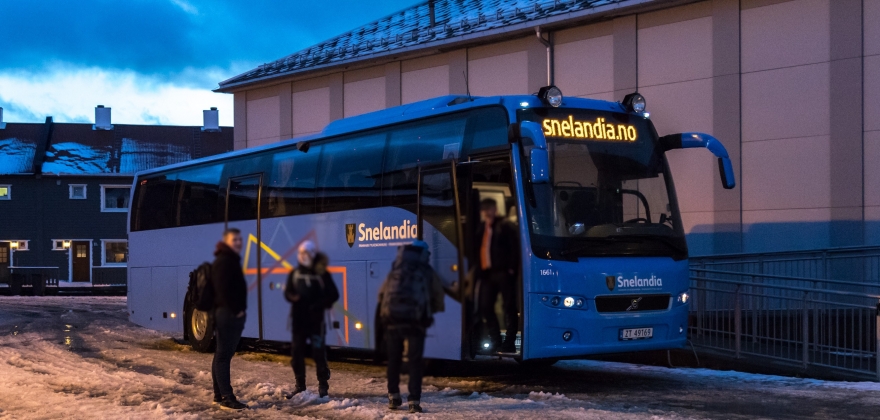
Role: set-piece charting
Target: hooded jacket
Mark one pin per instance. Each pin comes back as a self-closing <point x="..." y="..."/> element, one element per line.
<point x="309" y="294"/>
<point x="230" y="286"/>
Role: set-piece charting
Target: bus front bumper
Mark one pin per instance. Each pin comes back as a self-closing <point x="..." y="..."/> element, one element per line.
<point x="589" y="332"/>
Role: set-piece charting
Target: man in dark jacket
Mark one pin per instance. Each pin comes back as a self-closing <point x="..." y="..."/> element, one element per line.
<point x="412" y="287"/>
<point x="311" y="291"/>
<point x="230" y="309"/>
<point x="497" y="266"/>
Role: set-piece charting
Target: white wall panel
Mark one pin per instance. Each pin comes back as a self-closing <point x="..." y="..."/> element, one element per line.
<point x="786" y="103"/>
<point x="263" y="121"/>
<point x="364" y="96"/>
<point x="785" y="34"/>
<point x="311" y="110"/>
<point x="585" y="67"/>
<point x="424" y="84"/>
<point x="505" y="74"/>
<point x="675" y="52"/>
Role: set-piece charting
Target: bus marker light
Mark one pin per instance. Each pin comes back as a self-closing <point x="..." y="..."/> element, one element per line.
<point x="555" y="301"/>
<point x="358" y="325"/>
<point x="683" y="298"/>
<point x="569" y="302"/>
<point x="173" y="315"/>
<point x="523" y="104"/>
<point x="566" y="336"/>
<point x="680" y="329"/>
<point x="544" y="298"/>
<point x="579" y="303"/>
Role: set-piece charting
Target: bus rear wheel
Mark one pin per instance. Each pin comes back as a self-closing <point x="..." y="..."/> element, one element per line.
<point x="199" y="328"/>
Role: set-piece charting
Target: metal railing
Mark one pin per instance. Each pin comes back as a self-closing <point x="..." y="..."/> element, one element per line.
<point x="860" y="264"/>
<point x="814" y="322"/>
<point x="109" y="276"/>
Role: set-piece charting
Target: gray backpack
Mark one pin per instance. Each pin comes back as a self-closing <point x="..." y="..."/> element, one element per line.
<point x="406" y="299"/>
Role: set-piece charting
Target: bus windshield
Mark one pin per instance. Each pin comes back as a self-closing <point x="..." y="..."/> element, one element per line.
<point x="610" y="191"/>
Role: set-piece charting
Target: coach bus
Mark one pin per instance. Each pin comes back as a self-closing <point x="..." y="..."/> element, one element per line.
<point x="586" y="183"/>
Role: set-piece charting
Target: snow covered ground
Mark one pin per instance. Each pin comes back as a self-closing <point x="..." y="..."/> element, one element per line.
<point x="79" y="357"/>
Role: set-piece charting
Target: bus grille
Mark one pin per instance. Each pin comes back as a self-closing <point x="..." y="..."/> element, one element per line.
<point x="632" y="303"/>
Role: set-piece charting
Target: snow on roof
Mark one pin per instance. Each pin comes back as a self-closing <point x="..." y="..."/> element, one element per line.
<point x="413" y="27"/>
<point x="16" y="156"/>
<point x="76" y="149"/>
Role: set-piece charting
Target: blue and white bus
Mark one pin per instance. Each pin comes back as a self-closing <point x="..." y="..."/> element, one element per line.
<point x="586" y="182"/>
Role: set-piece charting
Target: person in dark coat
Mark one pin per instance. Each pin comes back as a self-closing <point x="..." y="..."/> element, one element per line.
<point x="230" y="313"/>
<point x="311" y="291"/>
<point x="412" y="260"/>
<point x="497" y="268"/>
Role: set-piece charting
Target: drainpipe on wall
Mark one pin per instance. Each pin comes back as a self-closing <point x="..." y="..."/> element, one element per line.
<point x="549" y="44"/>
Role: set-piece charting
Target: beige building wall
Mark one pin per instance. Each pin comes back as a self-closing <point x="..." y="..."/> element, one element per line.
<point x="791" y="87"/>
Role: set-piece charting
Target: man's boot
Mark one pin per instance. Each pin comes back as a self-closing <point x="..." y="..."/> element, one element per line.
<point x="323" y="388"/>
<point x="300" y="387"/>
<point x="394" y="401"/>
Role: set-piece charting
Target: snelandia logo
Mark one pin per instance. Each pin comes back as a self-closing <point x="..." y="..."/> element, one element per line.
<point x="636" y="281"/>
<point x="349" y="234"/>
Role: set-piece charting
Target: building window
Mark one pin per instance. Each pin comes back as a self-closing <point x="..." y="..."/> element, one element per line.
<point x="114" y="198"/>
<point x="60" y="244"/>
<point x="115" y="252"/>
<point x="5" y="192"/>
<point x="77" y="191"/>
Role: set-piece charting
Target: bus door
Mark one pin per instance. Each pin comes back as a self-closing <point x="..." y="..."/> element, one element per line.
<point x="243" y="197"/>
<point x="488" y="176"/>
<point x="439" y="213"/>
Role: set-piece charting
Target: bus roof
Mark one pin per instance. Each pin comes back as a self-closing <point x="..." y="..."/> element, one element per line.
<point x="416" y="110"/>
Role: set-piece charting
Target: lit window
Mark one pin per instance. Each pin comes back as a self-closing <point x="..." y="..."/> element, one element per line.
<point x="59" y="244"/>
<point x="18" y="245"/>
<point x="115" y="252"/>
<point x="114" y="198"/>
<point x="82" y="251"/>
<point x="5" y="192"/>
<point x="77" y="191"/>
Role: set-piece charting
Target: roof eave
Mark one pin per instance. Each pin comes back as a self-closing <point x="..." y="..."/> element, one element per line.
<point x="599" y="12"/>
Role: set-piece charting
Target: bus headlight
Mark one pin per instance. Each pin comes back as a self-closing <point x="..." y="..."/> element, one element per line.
<point x="568" y="302"/>
<point x="635" y="102"/>
<point x="550" y="95"/>
<point x="683" y="297"/>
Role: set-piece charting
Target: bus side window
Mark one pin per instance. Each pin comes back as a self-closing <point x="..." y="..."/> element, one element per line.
<point x="196" y="199"/>
<point x="155" y="204"/>
<point x="291" y="184"/>
<point x="351" y="173"/>
<point x="415" y="145"/>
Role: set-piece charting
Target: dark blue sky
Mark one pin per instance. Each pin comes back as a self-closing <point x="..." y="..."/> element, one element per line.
<point x="191" y="43"/>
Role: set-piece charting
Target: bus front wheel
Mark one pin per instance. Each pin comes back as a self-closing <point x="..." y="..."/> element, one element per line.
<point x="199" y="328"/>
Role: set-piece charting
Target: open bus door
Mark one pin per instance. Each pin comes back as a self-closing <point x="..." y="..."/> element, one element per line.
<point x="439" y="221"/>
<point x="243" y="203"/>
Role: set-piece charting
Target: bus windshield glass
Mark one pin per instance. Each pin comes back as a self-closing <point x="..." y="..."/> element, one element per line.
<point x="610" y="191"/>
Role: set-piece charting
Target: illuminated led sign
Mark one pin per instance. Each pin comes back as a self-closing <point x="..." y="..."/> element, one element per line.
<point x="589" y="130"/>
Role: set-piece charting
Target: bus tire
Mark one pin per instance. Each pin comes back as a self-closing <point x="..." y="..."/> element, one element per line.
<point x="198" y="328"/>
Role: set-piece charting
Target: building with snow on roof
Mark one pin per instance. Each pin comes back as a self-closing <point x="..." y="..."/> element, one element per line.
<point x="65" y="189"/>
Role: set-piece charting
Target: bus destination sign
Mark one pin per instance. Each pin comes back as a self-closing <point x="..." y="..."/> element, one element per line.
<point x="598" y="129"/>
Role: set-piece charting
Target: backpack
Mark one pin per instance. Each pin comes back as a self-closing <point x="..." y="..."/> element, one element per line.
<point x="201" y="287"/>
<point x="405" y="297"/>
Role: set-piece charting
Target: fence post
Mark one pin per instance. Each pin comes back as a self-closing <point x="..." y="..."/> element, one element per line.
<point x="737" y="322"/>
<point x="877" y="341"/>
<point x="806" y="332"/>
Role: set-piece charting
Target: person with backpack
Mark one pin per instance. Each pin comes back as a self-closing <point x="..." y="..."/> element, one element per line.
<point x="408" y="299"/>
<point x="229" y="289"/>
<point x="311" y="291"/>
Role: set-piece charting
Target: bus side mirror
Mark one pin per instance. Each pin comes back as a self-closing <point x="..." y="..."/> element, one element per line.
<point x="692" y="140"/>
<point x="539" y="159"/>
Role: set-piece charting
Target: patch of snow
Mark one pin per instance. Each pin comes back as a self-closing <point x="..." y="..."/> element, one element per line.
<point x="16" y="156"/>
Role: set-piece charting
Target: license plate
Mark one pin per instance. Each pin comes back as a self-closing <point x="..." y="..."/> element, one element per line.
<point x="636" y="333"/>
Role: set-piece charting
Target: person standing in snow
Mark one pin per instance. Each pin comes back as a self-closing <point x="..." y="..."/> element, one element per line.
<point x="230" y="310"/>
<point x="408" y="299"/>
<point x="311" y="291"/>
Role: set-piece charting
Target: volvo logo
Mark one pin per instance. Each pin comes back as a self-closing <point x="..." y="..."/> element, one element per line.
<point x="634" y="305"/>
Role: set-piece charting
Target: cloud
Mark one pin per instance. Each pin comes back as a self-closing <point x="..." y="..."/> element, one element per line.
<point x="185" y="6"/>
<point x="70" y="94"/>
